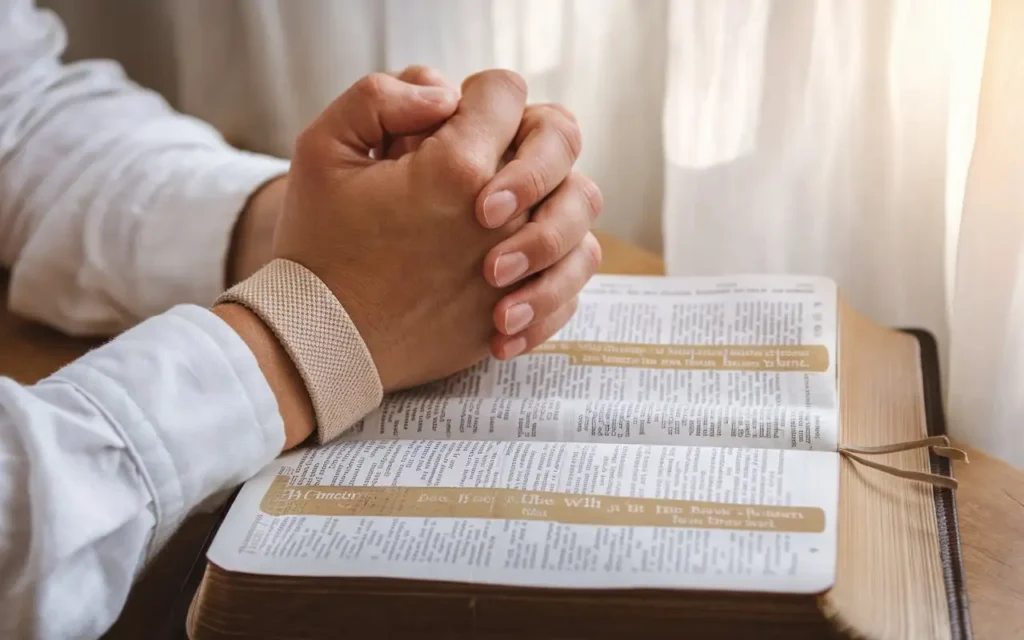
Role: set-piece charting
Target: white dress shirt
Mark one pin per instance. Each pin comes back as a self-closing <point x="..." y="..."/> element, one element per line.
<point x="113" y="209"/>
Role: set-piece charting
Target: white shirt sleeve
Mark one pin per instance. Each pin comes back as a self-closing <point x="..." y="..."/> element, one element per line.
<point x="101" y="462"/>
<point x="113" y="207"/>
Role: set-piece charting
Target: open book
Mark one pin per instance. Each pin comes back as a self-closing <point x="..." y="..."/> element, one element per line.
<point x="681" y="459"/>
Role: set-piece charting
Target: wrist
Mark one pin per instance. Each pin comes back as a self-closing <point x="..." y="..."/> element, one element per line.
<point x="315" y="332"/>
<point x="285" y="382"/>
<point x="252" y="239"/>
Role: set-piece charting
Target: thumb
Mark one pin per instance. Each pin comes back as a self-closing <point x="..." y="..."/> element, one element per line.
<point x="379" y="106"/>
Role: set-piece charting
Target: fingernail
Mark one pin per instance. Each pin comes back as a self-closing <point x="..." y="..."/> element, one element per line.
<point x="443" y="95"/>
<point x="517" y="317"/>
<point x="509" y="267"/>
<point x="499" y="207"/>
<point x="514" y="347"/>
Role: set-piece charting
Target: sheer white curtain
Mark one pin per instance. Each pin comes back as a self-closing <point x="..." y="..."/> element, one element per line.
<point x="261" y="69"/>
<point x="830" y="136"/>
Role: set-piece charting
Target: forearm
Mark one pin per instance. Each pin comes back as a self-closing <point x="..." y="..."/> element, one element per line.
<point x="113" y="207"/>
<point x="101" y="462"/>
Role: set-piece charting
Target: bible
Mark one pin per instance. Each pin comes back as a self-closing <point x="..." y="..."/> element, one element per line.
<point x="698" y="457"/>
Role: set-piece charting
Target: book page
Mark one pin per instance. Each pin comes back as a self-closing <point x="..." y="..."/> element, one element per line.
<point x="741" y="362"/>
<point x="546" y="514"/>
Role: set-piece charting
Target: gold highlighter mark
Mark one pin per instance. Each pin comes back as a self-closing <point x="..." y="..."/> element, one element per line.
<point x="813" y="358"/>
<point x="514" y="504"/>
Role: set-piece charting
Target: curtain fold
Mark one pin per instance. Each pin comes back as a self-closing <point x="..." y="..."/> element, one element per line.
<point x="987" y="320"/>
<point x="875" y="142"/>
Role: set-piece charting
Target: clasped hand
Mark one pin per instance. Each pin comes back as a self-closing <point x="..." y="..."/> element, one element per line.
<point x="447" y="225"/>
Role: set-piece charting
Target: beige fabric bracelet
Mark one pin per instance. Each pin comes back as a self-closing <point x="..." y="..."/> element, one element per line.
<point x="320" y="338"/>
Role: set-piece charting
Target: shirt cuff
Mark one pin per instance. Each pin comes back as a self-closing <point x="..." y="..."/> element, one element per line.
<point x="188" y="398"/>
<point x="185" y="237"/>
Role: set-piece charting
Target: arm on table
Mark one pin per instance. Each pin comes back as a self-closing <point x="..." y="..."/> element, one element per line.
<point x="113" y="207"/>
<point x="102" y="461"/>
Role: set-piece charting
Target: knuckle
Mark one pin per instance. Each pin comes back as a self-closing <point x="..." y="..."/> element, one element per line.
<point x="569" y="115"/>
<point x="548" y="299"/>
<point x="473" y="78"/>
<point x="591" y="193"/>
<point x="558" y="119"/>
<point x="371" y="87"/>
<point x="560" y="317"/>
<point x="594" y="252"/>
<point x="544" y="109"/>
<point x="502" y="79"/>
<point x="571" y="137"/>
<point x="572" y="306"/>
<point x="536" y="181"/>
<point x="414" y="71"/>
<point x="468" y="171"/>
<point x="459" y="167"/>
<point x="551" y="242"/>
<point x="420" y="74"/>
<point x="512" y="80"/>
<point x="308" y="144"/>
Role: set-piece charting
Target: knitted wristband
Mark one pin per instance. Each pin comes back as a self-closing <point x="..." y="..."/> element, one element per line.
<point x="320" y="338"/>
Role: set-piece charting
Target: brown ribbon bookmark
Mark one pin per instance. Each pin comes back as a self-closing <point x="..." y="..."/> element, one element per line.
<point x="939" y="445"/>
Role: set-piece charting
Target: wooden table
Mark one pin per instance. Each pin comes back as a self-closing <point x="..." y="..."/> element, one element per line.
<point x="990" y="499"/>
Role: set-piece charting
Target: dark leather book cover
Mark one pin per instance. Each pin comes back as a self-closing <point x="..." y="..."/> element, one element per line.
<point x="945" y="508"/>
<point x="945" y="505"/>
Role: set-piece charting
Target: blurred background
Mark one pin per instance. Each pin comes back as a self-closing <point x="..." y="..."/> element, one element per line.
<point x="878" y="142"/>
